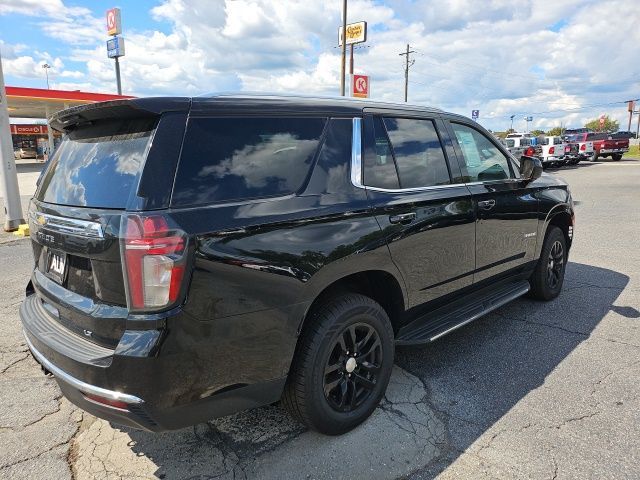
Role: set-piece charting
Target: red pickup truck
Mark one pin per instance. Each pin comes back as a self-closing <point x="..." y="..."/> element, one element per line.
<point x="607" y="145"/>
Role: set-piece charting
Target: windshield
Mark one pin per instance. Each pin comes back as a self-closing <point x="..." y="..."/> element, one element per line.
<point x="97" y="165"/>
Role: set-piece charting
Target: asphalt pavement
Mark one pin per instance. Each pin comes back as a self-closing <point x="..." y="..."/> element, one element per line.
<point x="533" y="390"/>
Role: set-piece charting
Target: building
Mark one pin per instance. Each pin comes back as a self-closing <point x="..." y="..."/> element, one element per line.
<point x="36" y="140"/>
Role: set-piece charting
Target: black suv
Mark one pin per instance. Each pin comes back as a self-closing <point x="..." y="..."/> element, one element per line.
<point x="199" y="256"/>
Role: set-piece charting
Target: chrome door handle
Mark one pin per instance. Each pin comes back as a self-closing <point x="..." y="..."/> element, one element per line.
<point x="487" y="204"/>
<point x="403" y="218"/>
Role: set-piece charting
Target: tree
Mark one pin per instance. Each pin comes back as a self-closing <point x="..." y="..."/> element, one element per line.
<point x="609" y="126"/>
<point x="555" y="132"/>
<point x="537" y="133"/>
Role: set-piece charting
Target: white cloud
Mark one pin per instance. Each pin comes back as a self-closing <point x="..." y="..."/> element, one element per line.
<point x="505" y="57"/>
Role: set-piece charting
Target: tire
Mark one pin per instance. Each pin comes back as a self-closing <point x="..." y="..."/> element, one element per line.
<point x="594" y="157"/>
<point x="616" y="157"/>
<point x="321" y="384"/>
<point x="547" y="278"/>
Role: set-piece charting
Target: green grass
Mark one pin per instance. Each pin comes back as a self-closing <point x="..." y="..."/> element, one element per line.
<point x="634" y="152"/>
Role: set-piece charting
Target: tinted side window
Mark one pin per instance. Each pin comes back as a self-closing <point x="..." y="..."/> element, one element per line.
<point x="331" y="173"/>
<point x="483" y="161"/>
<point x="239" y="158"/>
<point x="379" y="170"/>
<point x="418" y="152"/>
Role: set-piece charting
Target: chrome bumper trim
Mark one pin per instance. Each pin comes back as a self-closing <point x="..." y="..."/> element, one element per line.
<point x="79" y="384"/>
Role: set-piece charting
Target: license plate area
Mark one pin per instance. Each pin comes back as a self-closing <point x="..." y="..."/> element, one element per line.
<point x="56" y="266"/>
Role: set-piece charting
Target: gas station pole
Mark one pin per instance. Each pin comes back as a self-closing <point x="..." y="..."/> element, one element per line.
<point x="9" y="184"/>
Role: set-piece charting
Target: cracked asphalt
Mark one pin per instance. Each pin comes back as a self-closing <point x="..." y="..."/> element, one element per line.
<point x="533" y="390"/>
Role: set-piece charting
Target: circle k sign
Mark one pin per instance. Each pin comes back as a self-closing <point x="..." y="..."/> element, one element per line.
<point x="360" y="86"/>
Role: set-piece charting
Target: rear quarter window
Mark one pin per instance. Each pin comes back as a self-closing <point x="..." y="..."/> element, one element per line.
<point x="225" y="159"/>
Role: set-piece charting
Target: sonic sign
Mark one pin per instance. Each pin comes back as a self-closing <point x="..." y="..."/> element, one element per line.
<point x="356" y="33"/>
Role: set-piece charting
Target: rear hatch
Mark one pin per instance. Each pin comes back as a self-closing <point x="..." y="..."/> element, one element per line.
<point x="115" y="159"/>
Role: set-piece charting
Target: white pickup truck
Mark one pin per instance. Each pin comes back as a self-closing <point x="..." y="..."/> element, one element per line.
<point x="517" y="143"/>
<point x="551" y="151"/>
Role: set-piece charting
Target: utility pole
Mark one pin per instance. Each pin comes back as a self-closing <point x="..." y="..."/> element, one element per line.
<point x="344" y="46"/>
<point x="407" y="64"/>
<point x="512" y="117"/>
<point x="9" y="188"/>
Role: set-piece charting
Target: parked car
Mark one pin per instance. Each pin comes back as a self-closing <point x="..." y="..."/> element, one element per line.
<point x="604" y="145"/>
<point x="551" y="151"/>
<point x="517" y="143"/>
<point x="24" y="152"/>
<point x="584" y="146"/>
<point x="265" y="248"/>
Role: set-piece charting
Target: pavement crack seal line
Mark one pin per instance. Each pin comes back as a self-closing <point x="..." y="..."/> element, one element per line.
<point x="72" y="453"/>
<point x="574" y="332"/>
<point x="58" y="399"/>
<point x="575" y="419"/>
<point x="15" y="362"/>
<point x="446" y="446"/>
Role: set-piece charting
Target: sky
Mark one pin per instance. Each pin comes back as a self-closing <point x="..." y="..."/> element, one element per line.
<point x="561" y="62"/>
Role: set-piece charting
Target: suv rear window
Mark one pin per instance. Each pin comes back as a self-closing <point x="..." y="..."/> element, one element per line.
<point x="97" y="165"/>
<point x="227" y="159"/>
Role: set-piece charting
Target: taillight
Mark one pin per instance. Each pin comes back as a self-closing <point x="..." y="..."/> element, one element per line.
<point x="552" y="150"/>
<point x="529" y="152"/>
<point x="567" y="149"/>
<point x="154" y="261"/>
<point x="583" y="147"/>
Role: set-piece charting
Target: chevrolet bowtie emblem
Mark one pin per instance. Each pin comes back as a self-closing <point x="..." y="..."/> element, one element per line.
<point x="41" y="219"/>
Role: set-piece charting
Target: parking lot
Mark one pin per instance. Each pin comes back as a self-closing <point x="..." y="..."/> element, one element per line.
<point x="533" y="390"/>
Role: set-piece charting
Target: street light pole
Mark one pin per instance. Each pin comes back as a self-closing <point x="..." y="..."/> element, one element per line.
<point x="344" y="47"/>
<point x="46" y="67"/>
<point x="512" y="117"/>
<point x="9" y="186"/>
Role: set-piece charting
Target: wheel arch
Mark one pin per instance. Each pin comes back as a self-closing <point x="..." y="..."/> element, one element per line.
<point x="380" y="285"/>
<point x="560" y="216"/>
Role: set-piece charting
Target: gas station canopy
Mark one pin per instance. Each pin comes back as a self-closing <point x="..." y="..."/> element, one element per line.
<point x="42" y="103"/>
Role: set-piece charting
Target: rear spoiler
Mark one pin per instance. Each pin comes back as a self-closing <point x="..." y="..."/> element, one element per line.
<point x="66" y="120"/>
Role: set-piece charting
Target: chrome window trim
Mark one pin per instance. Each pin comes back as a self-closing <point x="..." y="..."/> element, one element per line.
<point x="79" y="384"/>
<point x="356" y="153"/>
<point x="72" y="226"/>
<point x="415" y="189"/>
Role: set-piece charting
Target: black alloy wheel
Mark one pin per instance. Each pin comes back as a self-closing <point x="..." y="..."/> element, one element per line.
<point x="548" y="276"/>
<point x="353" y="366"/>
<point x="555" y="265"/>
<point x="342" y="364"/>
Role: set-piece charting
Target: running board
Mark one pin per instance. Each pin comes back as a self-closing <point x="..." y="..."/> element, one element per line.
<point x="446" y="319"/>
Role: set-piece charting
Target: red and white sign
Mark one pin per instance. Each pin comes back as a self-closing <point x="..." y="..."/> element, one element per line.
<point x="114" y="25"/>
<point x="360" y="86"/>
<point x="28" y="130"/>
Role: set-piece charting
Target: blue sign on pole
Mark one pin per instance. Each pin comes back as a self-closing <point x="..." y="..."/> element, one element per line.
<point x="115" y="47"/>
<point x="475" y="114"/>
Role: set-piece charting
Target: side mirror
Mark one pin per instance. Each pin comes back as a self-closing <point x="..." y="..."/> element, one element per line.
<point x="530" y="168"/>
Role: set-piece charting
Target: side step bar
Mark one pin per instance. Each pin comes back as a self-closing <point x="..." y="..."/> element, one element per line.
<point x="448" y="318"/>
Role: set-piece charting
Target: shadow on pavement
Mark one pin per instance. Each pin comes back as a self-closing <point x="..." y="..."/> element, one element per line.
<point x="469" y="380"/>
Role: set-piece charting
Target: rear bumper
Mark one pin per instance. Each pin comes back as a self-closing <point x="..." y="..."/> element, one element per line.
<point x="161" y="390"/>
<point x="609" y="151"/>
<point x="75" y="389"/>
